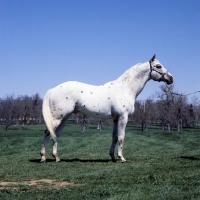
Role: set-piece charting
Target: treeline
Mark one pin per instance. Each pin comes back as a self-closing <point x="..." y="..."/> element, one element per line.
<point x="170" y="110"/>
<point x="20" y="110"/>
<point x="165" y="109"/>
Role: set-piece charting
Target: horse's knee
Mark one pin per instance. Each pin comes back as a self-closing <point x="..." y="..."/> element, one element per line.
<point x="120" y="140"/>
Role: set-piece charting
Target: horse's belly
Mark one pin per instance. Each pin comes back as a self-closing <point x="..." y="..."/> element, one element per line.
<point x="94" y="111"/>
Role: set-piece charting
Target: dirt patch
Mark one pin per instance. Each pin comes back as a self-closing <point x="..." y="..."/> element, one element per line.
<point x="41" y="184"/>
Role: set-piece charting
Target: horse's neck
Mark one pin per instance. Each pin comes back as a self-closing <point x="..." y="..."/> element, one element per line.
<point x="135" y="78"/>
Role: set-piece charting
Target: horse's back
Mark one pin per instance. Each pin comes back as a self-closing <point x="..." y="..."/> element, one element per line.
<point x="72" y="89"/>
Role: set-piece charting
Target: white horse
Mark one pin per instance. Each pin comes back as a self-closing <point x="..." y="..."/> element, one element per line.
<point x="113" y="100"/>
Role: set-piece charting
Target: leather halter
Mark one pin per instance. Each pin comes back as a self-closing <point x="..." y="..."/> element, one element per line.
<point x="153" y="69"/>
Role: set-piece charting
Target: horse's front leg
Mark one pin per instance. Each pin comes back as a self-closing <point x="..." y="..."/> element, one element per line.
<point x="114" y="141"/>
<point x="44" y="145"/>
<point x="122" y="121"/>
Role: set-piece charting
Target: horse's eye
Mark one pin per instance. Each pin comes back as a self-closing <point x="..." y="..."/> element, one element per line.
<point x="158" y="66"/>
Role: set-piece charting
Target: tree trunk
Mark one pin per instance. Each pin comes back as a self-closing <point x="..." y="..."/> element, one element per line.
<point x="181" y="124"/>
<point x="99" y="126"/>
<point x="83" y="126"/>
<point x="22" y="127"/>
<point x="168" y="127"/>
<point x="142" y="126"/>
<point x="163" y="127"/>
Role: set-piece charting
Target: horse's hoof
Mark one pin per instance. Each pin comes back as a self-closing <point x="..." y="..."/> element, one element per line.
<point x="114" y="160"/>
<point x="124" y="161"/>
<point x="43" y="161"/>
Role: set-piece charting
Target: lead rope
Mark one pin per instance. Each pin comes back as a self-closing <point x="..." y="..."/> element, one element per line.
<point x="152" y="69"/>
<point x="181" y="94"/>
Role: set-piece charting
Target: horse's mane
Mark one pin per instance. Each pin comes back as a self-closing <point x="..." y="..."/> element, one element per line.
<point x="128" y="73"/>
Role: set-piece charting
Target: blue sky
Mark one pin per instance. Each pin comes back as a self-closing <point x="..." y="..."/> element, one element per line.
<point x="46" y="42"/>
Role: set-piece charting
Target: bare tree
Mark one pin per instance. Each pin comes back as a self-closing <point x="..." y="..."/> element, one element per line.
<point x="143" y="113"/>
<point x="81" y="120"/>
<point x="196" y="109"/>
<point x="37" y="108"/>
<point x="83" y="123"/>
<point x="28" y="104"/>
<point x="12" y="109"/>
<point x="175" y="111"/>
<point x="165" y="105"/>
<point x="99" y="126"/>
<point x="180" y="104"/>
<point x="8" y="111"/>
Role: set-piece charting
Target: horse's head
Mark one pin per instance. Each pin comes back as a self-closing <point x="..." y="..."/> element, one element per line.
<point x="158" y="72"/>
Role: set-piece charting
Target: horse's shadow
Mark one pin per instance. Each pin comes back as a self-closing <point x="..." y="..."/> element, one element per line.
<point x="85" y="160"/>
<point x="188" y="157"/>
<point x="102" y="160"/>
<point x="73" y="160"/>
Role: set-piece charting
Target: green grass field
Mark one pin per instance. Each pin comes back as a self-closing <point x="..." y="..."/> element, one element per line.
<point x="160" y="165"/>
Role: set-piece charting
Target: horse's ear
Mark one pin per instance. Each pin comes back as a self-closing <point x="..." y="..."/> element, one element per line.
<point x="153" y="58"/>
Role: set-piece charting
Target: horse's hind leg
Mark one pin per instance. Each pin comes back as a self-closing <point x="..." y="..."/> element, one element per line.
<point x="55" y="141"/>
<point x="44" y="145"/>
<point x="54" y="151"/>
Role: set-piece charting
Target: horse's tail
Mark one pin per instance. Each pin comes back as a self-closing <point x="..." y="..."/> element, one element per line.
<point x="47" y="115"/>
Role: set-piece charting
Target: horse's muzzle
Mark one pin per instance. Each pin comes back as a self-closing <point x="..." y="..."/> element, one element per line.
<point x="169" y="79"/>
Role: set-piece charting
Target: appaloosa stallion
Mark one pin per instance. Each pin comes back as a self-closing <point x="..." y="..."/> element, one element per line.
<point x="113" y="100"/>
